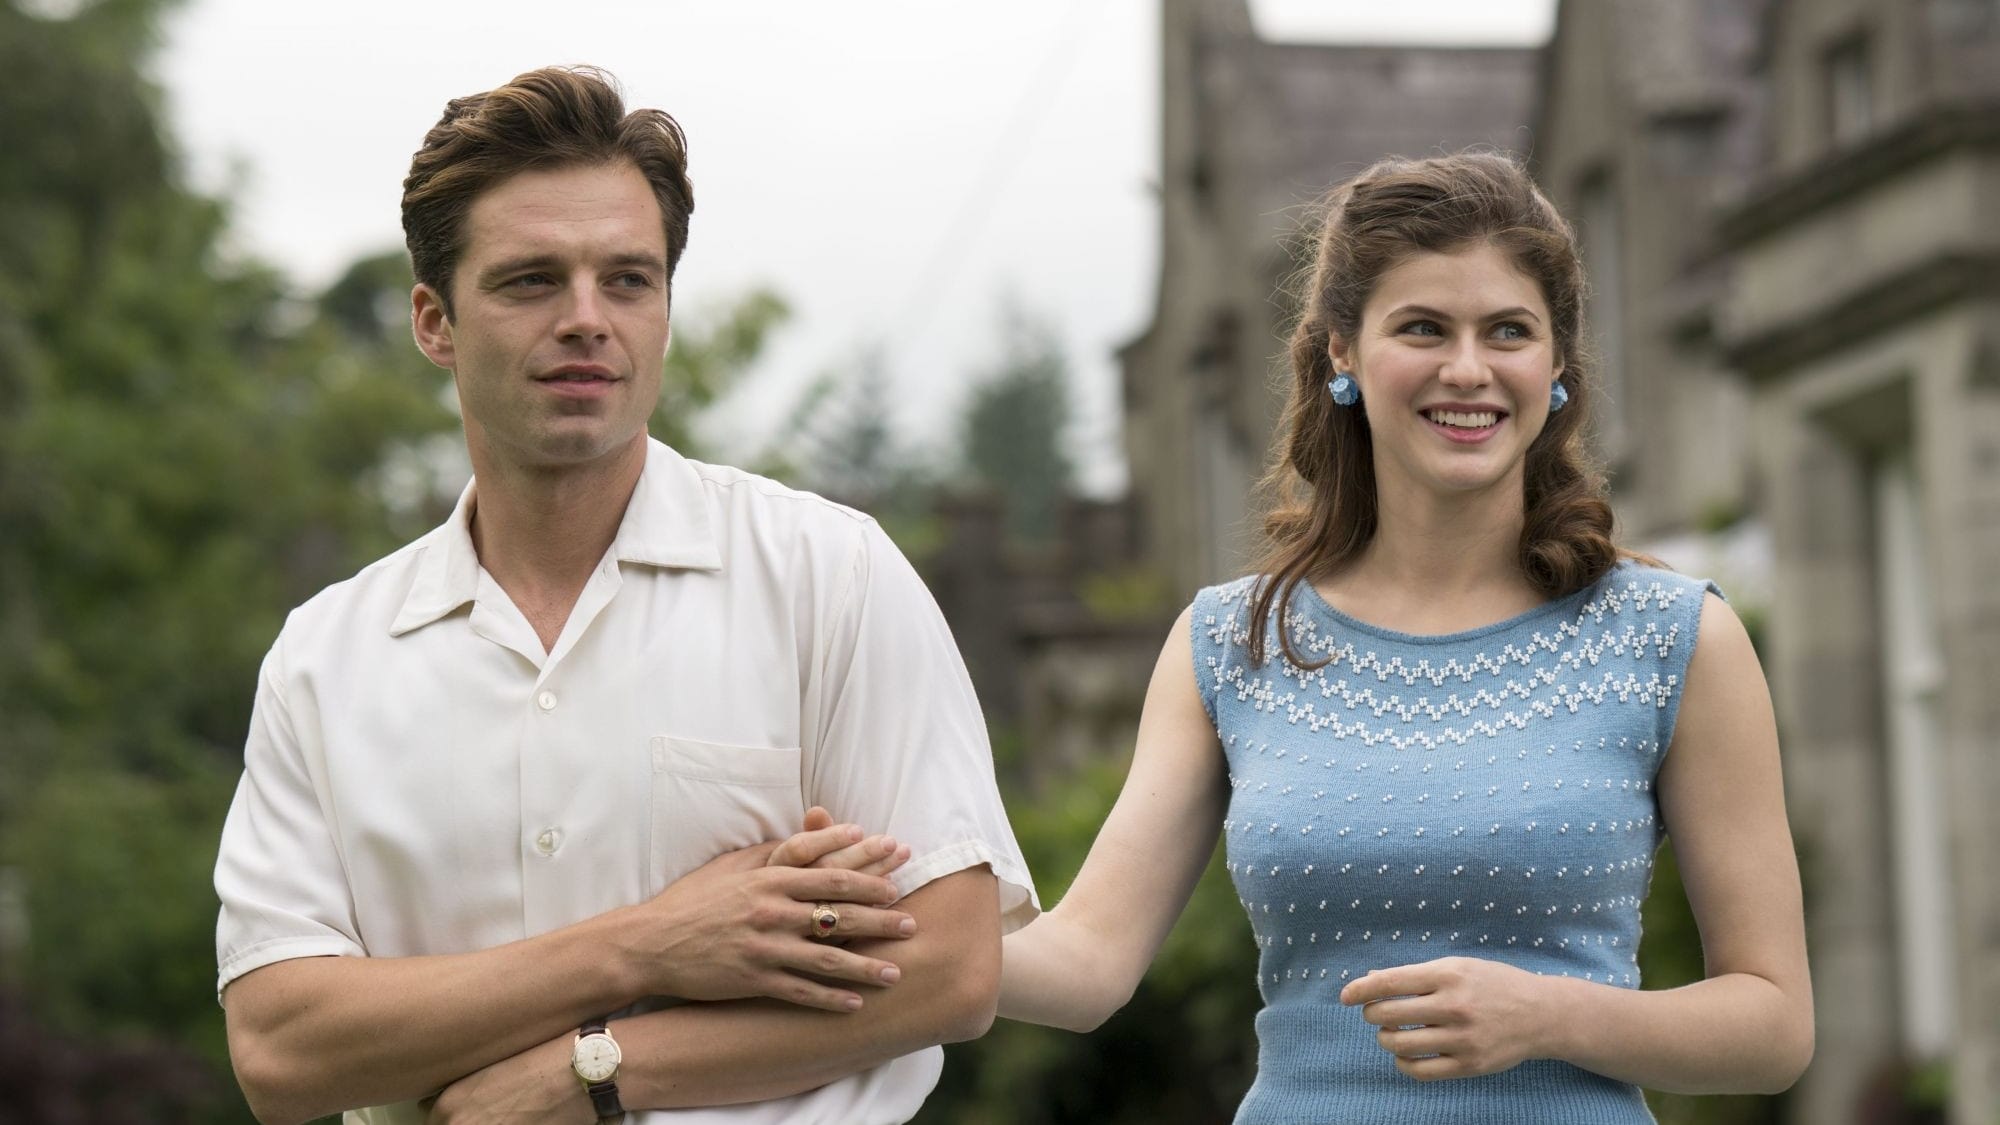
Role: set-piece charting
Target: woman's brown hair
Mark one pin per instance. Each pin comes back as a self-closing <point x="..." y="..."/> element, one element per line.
<point x="1321" y="506"/>
<point x="555" y="117"/>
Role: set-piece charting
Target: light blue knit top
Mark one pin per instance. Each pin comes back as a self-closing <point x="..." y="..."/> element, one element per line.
<point x="1481" y="794"/>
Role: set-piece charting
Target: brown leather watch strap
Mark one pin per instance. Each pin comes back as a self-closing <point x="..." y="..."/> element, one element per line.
<point x="603" y="1095"/>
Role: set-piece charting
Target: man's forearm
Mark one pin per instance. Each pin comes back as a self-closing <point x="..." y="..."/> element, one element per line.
<point x="316" y="1035"/>
<point x="754" y="1050"/>
<point x="729" y="1052"/>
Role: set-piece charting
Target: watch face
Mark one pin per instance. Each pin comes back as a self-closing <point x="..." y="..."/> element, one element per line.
<point x="595" y="1057"/>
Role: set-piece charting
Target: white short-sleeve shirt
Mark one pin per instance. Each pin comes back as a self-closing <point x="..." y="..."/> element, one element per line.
<point x="421" y="777"/>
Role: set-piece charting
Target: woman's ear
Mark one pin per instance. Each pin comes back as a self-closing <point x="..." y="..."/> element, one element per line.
<point x="1337" y="352"/>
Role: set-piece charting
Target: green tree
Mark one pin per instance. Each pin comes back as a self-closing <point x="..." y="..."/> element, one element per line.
<point x="848" y="435"/>
<point x="186" y="449"/>
<point x="840" y="438"/>
<point x="1012" y="428"/>
<point x="709" y="356"/>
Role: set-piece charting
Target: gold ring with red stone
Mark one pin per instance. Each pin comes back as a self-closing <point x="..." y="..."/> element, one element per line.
<point x="825" y="920"/>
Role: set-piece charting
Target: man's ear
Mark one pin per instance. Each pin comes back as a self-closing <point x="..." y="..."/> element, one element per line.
<point x="432" y="327"/>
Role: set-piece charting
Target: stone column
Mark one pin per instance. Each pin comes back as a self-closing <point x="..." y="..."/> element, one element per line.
<point x="1823" y="673"/>
<point x="1961" y="453"/>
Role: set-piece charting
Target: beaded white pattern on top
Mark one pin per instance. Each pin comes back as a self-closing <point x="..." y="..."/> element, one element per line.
<point x="1564" y="641"/>
<point x="1487" y="793"/>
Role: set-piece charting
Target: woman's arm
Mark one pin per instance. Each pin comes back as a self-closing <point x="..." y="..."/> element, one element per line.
<point x="1748" y="1026"/>
<point x="1080" y="962"/>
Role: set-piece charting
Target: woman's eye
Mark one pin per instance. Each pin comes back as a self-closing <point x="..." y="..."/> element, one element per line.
<point x="1422" y="328"/>
<point x="1512" y="330"/>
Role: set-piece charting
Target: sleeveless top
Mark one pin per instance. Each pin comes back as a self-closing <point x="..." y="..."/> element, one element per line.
<point x="1480" y="794"/>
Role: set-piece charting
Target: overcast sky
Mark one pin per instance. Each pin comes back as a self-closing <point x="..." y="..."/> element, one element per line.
<point x="895" y="168"/>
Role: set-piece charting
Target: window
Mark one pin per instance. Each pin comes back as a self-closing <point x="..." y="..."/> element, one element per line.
<point x="1850" y="91"/>
<point x="1689" y="143"/>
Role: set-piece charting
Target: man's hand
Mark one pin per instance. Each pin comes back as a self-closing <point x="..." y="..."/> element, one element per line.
<point x="823" y="843"/>
<point x="1465" y="1016"/>
<point x="532" y="1088"/>
<point x="737" y="928"/>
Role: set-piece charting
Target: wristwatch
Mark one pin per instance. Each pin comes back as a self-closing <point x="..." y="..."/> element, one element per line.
<point x="594" y="1058"/>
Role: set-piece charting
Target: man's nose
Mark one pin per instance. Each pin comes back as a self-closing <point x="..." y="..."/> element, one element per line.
<point x="583" y="313"/>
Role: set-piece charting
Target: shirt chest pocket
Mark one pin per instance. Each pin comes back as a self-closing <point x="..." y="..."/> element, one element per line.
<point x="709" y="798"/>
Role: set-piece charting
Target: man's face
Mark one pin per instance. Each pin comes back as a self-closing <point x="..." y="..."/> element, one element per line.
<point x="560" y="329"/>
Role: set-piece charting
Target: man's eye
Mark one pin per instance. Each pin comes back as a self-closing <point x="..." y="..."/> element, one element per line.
<point x="529" y="280"/>
<point x="632" y="280"/>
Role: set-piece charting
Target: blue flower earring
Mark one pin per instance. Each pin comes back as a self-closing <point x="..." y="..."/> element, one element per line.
<point x="1558" y="397"/>
<point x="1346" y="392"/>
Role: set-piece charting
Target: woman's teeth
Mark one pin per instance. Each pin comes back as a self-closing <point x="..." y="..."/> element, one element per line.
<point x="1478" y="421"/>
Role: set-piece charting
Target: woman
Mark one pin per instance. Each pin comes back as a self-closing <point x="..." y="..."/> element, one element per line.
<point x="1444" y="726"/>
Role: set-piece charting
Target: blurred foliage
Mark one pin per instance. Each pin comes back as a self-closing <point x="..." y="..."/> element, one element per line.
<point x="708" y="356"/>
<point x="1132" y="594"/>
<point x="186" y="449"/>
<point x="840" y="439"/>
<point x="55" y="1079"/>
<point x="1181" y="1053"/>
<point x="1011" y="432"/>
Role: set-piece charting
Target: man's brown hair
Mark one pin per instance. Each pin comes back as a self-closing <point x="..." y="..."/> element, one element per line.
<point x="555" y="117"/>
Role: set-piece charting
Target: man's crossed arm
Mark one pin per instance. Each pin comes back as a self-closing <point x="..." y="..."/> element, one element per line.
<point x="315" y="1035"/>
<point x="751" y="1050"/>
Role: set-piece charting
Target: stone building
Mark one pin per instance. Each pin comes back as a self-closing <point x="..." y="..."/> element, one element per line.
<point x="1647" y="114"/>
<point x="1788" y="210"/>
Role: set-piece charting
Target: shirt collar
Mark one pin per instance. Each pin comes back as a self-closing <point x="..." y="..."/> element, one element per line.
<point x="666" y="524"/>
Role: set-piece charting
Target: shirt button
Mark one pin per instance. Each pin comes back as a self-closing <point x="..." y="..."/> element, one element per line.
<point x="546" y="701"/>
<point x="549" y="840"/>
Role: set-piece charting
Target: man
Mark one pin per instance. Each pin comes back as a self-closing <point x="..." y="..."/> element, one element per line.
<point x="487" y="779"/>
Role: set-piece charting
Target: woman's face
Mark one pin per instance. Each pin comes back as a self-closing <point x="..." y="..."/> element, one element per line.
<point x="1456" y="360"/>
